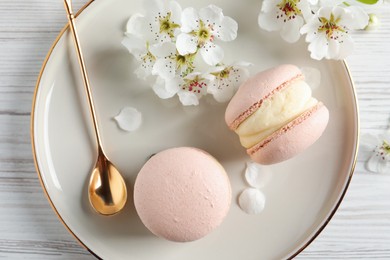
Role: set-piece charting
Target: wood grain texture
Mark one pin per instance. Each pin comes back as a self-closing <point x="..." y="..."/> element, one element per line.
<point x="29" y="229"/>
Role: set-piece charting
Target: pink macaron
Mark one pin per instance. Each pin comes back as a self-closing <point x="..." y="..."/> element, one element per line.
<point x="182" y="194"/>
<point x="275" y="115"/>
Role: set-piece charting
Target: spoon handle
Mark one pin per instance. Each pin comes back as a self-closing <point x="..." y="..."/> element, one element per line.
<point x="72" y="24"/>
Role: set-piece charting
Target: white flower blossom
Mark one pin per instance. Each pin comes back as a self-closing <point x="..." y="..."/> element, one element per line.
<point x="286" y="16"/>
<point x="166" y="42"/>
<point x="328" y="31"/>
<point x="141" y="51"/>
<point x="379" y="161"/>
<point x="146" y="33"/>
<point x="225" y="80"/>
<point x="201" y="30"/>
<point x="189" y="89"/>
<point x="170" y="63"/>
<point x="160" y="24"/>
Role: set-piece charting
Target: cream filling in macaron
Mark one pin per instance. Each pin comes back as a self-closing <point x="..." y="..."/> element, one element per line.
<point x="275" y="112"/>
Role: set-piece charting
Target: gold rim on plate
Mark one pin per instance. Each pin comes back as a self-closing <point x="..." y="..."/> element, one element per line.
<point x="93" y="253"/>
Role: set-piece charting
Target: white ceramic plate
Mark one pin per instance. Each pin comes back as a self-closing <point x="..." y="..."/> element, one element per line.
<point x="302" y="194"/>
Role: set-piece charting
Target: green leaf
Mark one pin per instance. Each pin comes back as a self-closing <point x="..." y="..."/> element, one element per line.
<point x="368" y="2"/>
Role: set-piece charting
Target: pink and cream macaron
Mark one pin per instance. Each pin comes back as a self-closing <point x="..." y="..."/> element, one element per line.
<point x="275" y="115"/>
<point x="182" y="194"/>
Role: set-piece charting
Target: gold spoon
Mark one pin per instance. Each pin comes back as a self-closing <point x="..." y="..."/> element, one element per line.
<point x="107" y="189"/>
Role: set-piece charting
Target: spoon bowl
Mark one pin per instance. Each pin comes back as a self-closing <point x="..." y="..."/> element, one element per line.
<point x="107" y="191"/>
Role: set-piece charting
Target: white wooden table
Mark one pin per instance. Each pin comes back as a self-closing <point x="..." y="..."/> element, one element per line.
<point x="29" y="229"/>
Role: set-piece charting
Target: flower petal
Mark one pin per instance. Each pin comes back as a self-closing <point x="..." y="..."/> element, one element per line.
<point x="176" y="11"/>
<point x="163" y="50"/>
<point x="212" y="54"/>
<point x="189" y="20"/>
<point x="377" y="164"/>
<point x="186" y="44"/>
<point x="269" y="6"/>
<point x="129" y="119"/>
<point x="220" y="94"/>
<point x="164" y="68"/>
<point x="252" y="201"/>
<point x="211" y="14"/>
<point x="325" y="12"/>
<point x="256" y="175"/>
<point x="188" y="98"/>
<point x="346" y="48"/>
<point x="134" y="45"/>
<point x="318" y="47"/>
<point x="144" y="70"/>
<point x="311" y="27"/>
<point x="228" y="30"/>
<point x="165" y="89"/>
<point x="384" y="167"/>
<point x="290" y="31"/>
<point x="268" y="22"/>
<point x="136" y="25"/>
<point x="333" y="49"/>
<point x="369" y="141"/>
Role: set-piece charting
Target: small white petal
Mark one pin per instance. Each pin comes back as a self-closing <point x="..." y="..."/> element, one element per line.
<point x="256" y="175"/>
<point x="188" y="98"/>
<point x="136" y="25"/>
<point x="173" y="85"/>
<point x="384" y="167"/>
<point x="268" y="22"/>
<point x="212" y="14"/>
<point x="312" y="76"/>
<point x="310" y="27"/>
<point x="221" y="95"/>
<point x="189" y="20"/>
<point x="346" y="48"/>
<point x="318" y="48"/>
<point x="290" y="31"/>
<point x="186" y="44"/>
<point x="369" y="141"/>
<point x="134" y="45"/>
<point x="306" y="11"/>
<point x="377" y="164"/>
<point x="129" y="119"/>
<point x="228" y="31"/>
<point x="212" y="54"/>
<point x="269" y="6"/>
<point x="310" y="36"/>
<point x="325" y="11"/>
<point x="165" y="89"/>
<point x="252" y="201"/>
<point x="333" y="49"/>
<point x="163" y="50"/>
<point x="144" y="70"/>
<point x="339" y="13"/>
<point x="176" y="11"/>
<point x="164" y="68"/>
